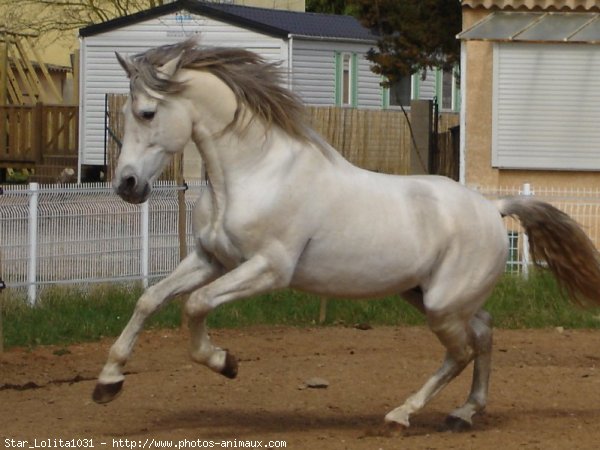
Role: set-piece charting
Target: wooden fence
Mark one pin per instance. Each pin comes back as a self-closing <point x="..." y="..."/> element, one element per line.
<point x="32" y="135"/>
<point x="377" y="140"/>
<point x="372" y="139"/>
<point x="445" y="157"/>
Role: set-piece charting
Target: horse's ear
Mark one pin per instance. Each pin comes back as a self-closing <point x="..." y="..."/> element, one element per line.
<point x="168" y="69"/>
<point x="125" y="64"/>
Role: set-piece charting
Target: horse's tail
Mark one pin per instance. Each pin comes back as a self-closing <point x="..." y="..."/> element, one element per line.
<point x="558" y="241"/>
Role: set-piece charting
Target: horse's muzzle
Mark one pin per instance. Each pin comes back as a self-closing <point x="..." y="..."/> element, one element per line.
<point x="130" y="189"/>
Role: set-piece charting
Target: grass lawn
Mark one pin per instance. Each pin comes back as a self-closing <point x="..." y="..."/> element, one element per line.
<point x="67" y="315"/>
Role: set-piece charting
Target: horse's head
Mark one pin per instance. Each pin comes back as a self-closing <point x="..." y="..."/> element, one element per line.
<point x="157" y="125"/>
<point x="214" y="93"/>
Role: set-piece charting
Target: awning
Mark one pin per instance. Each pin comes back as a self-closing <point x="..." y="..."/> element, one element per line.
<point x="531" y="5"/>
<point x="536" y="27"/>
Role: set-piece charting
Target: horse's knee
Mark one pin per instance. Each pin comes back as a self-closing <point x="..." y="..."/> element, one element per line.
<point x="197" y="306"/>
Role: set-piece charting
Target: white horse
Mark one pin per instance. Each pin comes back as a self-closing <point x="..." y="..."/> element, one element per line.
<point x="284" y="209"/>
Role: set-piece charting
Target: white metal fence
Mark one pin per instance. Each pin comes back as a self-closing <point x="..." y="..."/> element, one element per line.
<point x="582" y="204"/>
<point x="53" y="234"/>
<point x="61" y="234"/>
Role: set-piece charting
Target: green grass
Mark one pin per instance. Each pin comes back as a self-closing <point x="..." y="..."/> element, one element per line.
<point x="67" y="315"/>
<point x="537" y="303"/>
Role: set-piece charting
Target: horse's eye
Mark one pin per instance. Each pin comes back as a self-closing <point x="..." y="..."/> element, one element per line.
<point x="147" y="115"/>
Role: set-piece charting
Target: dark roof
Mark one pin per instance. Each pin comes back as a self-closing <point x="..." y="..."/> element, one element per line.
<point x="274" y="22"/>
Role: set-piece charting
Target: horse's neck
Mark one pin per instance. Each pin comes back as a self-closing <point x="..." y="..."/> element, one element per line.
<point x="215" y="174"/>
<point x="234" y="152"/>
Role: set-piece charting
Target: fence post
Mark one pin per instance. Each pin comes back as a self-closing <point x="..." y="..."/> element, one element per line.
<point x="2" y="287"/>
<point x="525" y="257"/>
<point x="39" y="132"/>
<point x="181" y="219"/>
<point x="322" y="310"/>
<point x="33" y="243"/>
<point x="1" y="326"/>
<point x="145" y="242"/>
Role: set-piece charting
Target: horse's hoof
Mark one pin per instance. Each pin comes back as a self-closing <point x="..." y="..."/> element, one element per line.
<point x="386" y="430"/>
<point x="104" y="393"/>
<point x="392" y="429"/>
<point x="230" y="369"/>
<point x="457" y="425"/>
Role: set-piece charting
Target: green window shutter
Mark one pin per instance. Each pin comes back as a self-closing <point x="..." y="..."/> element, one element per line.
<point x="338" y="79"/>
<point x="457" y="93"/>
<point x="385" y="96"/>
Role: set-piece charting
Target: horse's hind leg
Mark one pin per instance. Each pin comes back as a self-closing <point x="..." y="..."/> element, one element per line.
<point x="451" y="330"/>
<point x="481" y="329"/>
<point x="192" y="272"/>
<point x="464" y="341"/>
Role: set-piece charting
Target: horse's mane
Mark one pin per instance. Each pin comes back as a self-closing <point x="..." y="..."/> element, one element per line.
<point x="255" y="82"/>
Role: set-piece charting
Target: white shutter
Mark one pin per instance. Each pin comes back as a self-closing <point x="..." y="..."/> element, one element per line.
<point x="546" y="106"/>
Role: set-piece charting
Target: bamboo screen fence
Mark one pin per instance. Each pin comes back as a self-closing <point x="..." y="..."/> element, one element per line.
<point x="378" y="140"/>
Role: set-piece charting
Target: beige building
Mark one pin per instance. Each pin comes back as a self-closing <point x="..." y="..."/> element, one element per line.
<point x="530" y="109"/>
<point x="292" y="5"/>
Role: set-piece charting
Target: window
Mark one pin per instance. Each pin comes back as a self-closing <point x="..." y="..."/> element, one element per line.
<point x="346" y="79"/>
<point x="447" y="84"/>
<point x="346" y="83"/>
<point x="545" y="110"/>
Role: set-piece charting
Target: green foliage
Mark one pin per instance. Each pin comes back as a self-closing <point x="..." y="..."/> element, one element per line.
<point x="330" y="6"/>
<point x="66" y="315"/>
<point x="17" y="176"/>
<point x="414" y="34"/>
<point x="536" y="302"/>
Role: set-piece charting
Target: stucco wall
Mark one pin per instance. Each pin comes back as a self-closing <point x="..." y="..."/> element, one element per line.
<point x="478" y="125"/>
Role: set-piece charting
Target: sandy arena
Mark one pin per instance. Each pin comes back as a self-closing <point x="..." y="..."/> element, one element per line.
<point x="545" y="392"/>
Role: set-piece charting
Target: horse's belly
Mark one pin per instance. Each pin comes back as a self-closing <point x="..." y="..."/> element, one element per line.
<point x="370" y="276"/>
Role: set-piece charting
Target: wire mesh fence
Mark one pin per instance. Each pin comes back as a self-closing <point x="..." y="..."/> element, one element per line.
<point x="582" y="204"/>
<point x="77" y="234"/>
<point x="53" y="234"/>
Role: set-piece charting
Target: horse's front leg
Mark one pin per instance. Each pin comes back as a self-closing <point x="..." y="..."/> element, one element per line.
<point x="255" y="276"/>
<point x="194" y="271"/>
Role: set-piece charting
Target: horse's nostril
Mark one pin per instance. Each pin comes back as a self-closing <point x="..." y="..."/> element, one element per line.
<point x="129" y="183"/>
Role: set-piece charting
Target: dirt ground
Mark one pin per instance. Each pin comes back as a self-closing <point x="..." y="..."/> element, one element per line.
<point x="545" y="392"/>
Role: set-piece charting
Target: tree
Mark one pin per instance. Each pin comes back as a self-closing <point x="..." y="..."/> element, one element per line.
<point x="59" y="17"/>
<point x="414" y="34"/>
<point x="330" y="6"/>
